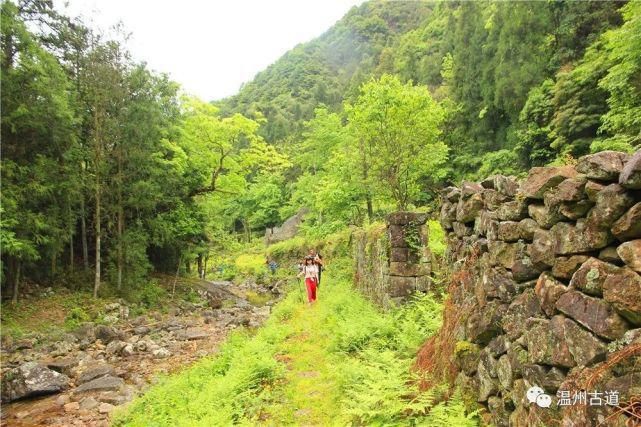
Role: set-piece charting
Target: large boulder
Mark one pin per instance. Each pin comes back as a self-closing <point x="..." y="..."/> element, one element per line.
<point x="106" y="334"/>
<point x="542" y="179"/>
<point x="603" y="166"/>
<point x="564" y="267"/>
<point x="515" y="210"/>
<point x="523" y="307"/>
<point x="546" y="345"/>
<point x="548" y="290"/>
<point x="585" y="348"/>
<point x="505" y="254"/>
<point x="483" y="324"/>
<point x="31" y="379"/>
<point x="630" y="176"/>
<point x="541" y="250"/>
<point x="623" y="290"/>
<point x="545" y="216"/>
<point x="628" y="226"/>
<point x="593" y="313"/>
<point x="589" y="278"/>
<point x="580" y="238"/>
<point x="561" y="342"/>
<point x="468" y="209"/>
<point x="611" y="203"/>
<point x="630" y="254"/>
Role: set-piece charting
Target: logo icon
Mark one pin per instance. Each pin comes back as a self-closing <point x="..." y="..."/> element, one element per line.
<point x="536" y="394"/>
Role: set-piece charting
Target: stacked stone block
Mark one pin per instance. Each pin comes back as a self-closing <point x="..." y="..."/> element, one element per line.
<point x="409" y="256"/>
<point x="556" y="285"/>
<point x="394" y="261"/>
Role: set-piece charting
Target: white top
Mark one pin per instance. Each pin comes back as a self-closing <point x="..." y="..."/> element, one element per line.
<point x="310" y="270"/>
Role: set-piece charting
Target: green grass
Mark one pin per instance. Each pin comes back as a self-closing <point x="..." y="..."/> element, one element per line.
<point x="341" y="361"/>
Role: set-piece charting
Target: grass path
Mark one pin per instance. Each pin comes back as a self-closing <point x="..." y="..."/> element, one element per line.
<point x="309" y="391"/>
<point x="338" y="362"/>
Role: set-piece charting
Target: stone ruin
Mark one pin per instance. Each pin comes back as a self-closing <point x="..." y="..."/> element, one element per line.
<point x="547" y="285"/>
<point x="287" y="230"/>
<point x="393" y="261"/>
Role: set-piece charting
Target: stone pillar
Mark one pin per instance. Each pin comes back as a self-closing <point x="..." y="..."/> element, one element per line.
<point x="410" y="257"/>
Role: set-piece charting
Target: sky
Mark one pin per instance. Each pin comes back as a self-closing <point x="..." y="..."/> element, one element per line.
<point x="211" y="47"/>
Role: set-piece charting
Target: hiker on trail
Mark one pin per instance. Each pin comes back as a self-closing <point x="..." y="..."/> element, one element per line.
<point x="271" y="264"/>
<point x="310" y="271"/>
<point x="318" y="260"/>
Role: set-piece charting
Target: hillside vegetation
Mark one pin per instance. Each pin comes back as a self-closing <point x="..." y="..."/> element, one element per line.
<point x="109" y="173"/>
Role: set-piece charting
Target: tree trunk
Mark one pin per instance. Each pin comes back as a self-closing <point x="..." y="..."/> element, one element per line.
<point x="187" y="265"/>
<point x="71" y="227"/>
<point x="96" y="284"/>
<point x="97" y="164"/>
<point x="54" y="261"/>
<point x="121" y="221"/>
<point x="83" y="234"/>
<point x="16" y="281"/>
<point x="370" y="209"/>
<point x="205" y="268"/>
<point x="200" y="266"/>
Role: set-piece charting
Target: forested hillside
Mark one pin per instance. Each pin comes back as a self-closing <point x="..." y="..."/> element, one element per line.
<point x="110" y="173"/>
<point x="536" y="79"/>
<point x="133" y="216"/>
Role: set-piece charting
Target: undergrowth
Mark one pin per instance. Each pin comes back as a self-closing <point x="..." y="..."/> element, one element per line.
<point x="341" y="361"/>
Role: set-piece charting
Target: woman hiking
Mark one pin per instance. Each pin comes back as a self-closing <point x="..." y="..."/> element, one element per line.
<point x="310" y="271"/>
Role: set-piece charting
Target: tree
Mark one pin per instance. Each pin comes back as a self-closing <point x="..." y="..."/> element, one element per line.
<point x="397" y="131"/>
<point x="622" y="80"/>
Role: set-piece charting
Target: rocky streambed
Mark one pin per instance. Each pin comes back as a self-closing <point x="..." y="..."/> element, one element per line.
<point x="81" y="378"/>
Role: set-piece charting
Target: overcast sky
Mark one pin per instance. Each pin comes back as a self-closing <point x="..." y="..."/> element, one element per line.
<point x="211" y="47"/>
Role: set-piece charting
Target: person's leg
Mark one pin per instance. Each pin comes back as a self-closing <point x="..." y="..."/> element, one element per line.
<point x="313" y="290"/>
<point x="308" y="284"/>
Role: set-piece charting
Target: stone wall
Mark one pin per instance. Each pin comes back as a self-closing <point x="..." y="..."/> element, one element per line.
<point x="393" y="261"/>
<point x="547" y="281"/>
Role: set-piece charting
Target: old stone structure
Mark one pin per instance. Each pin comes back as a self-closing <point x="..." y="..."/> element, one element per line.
<point x="393" y="261"/>
<point x="287" y="230"/>
<point x="548" y="285"/>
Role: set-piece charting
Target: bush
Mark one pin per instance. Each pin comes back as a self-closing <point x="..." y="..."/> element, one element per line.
<point x="250" y="264"/>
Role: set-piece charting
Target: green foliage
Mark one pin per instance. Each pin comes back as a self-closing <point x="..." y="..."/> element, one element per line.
<point x="250" y="264"/>
<point x="76" y="317"/>
<point x="622" y="79"/>
<point x="359" y="353"/>
<point x="397" y="128"/>
<point x="437" y="242"/>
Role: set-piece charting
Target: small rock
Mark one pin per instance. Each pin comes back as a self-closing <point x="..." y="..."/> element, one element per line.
<point x="191" y="334"/>
<point x="72" y="406"/>
<point x="103" y="383"/>
<point x="89" y="403"/>
<point x="96" y="372"/>
<point x="128" y="350"/>
<point x="161" y="353"/>
<point x="105" y="408"/>
<point x="62" y="400"/>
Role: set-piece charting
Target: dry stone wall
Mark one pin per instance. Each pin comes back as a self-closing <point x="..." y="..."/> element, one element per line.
<point x="552" y="296"/>
<point x="393" y="261"/>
